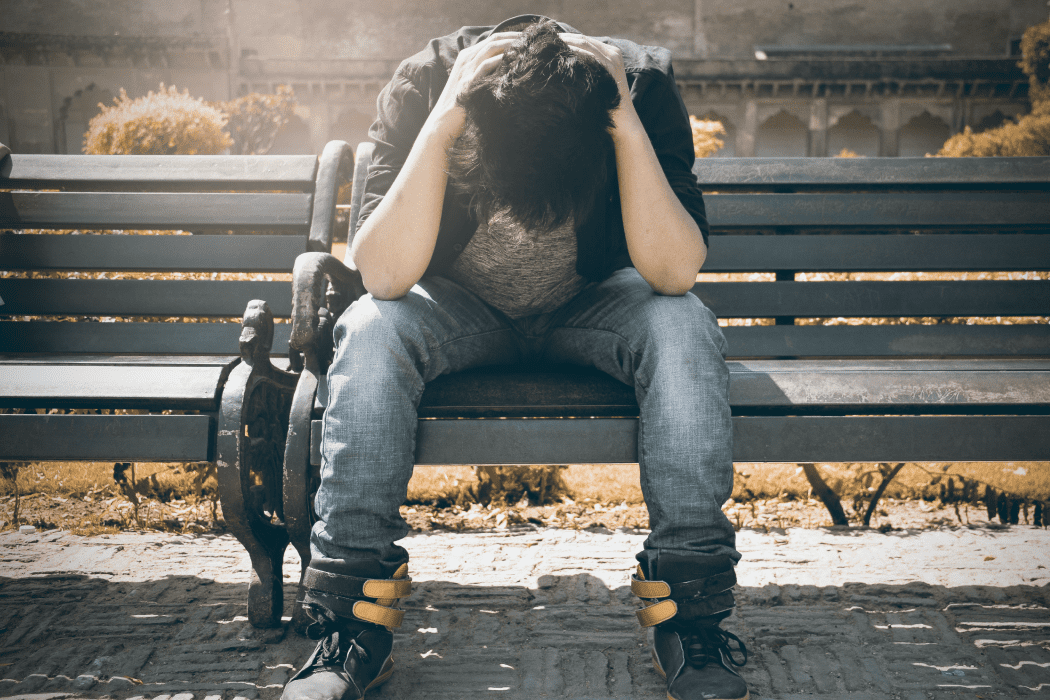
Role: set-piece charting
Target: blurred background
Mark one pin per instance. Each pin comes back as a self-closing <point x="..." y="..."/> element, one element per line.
<point x="784" y="78"/>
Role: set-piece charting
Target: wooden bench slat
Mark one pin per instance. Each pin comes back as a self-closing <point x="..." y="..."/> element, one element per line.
<point x="129" y="338"/>
<point x="154" y="210"/>
<point x="864" y="386"/>
<point x="772" y="174"/>
<point x="966" y="210"/>
<point x="832" y="299"/>
<point x="149" y="253"/>
<point x="891" y="438"/>
<point x="129" y="359"/>
<point x="148" y="438"/>
<point x="140" y="297"/>
<point x="228" y="172"/>
<point x="878" y="253"/>
<point x="112" y="386"/>
<point x="755" y="439"/>
<point x="888" y="341"/>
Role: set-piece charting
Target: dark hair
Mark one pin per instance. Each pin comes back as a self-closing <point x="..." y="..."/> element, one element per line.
<point x="537" y="139"/>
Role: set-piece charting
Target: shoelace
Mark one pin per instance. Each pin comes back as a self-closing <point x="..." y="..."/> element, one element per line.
<point x="325" y="627"/>
<point x="322" y="624"/>
<point x="330" y="650"/>
<point x="704" y="645"/>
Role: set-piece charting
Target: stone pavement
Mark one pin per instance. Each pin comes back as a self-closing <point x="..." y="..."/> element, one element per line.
<point x="539" y="613"/>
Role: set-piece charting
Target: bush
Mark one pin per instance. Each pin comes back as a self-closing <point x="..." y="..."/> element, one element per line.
<point x="1029" y="135"/>
<point x="1035" y="61"/>
<point x="705" y="136"/>
<point x="253" y="121"/>
<point x="165" y="122"/>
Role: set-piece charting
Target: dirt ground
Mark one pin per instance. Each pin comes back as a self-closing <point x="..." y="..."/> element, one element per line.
<point x="102" y="511"/>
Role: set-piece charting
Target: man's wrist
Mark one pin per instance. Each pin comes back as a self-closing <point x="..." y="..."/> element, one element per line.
<point x="627" y="125"/>
<point x="445" y="123"/>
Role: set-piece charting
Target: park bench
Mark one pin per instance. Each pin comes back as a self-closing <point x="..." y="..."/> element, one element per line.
<point x="933" y="390"/>
<point x="158" y="386"/>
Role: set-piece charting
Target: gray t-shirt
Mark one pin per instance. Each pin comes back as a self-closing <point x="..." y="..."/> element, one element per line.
<point x="520" y="272"/>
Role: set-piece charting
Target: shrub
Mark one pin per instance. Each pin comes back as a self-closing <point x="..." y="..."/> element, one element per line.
<point x="253" y="121"/>
<point x="1029" y="135"/>
<point x="165" y="122"/>
<point x="705" y="136"/>
<point x="1035" y="61"/>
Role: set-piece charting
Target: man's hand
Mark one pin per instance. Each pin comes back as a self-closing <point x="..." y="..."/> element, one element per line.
<point x="472" y="63"/>
<point x="610" y="57"/>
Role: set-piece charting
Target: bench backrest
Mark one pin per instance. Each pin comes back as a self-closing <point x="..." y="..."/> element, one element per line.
<point x="938" y="215"/>
<point x="783" y="216"/>
<point x="221" y="214"/>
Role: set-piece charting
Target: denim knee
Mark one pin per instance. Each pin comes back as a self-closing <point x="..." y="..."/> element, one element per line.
<point x="681" y="326"/>
<point x="369" y="318"/>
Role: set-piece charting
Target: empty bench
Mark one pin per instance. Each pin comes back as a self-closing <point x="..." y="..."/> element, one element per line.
<point x="160" y="370"/>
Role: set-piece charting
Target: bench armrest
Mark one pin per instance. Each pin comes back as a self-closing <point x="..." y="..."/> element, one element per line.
<point x="314" y="308"/>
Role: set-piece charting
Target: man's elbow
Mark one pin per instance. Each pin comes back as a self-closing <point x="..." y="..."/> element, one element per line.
<point x="678" y="279"/>
<point x="383" y="288"/>
<point x="674" y="288"/>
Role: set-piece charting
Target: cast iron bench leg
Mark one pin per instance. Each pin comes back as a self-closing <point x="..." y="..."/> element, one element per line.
<point x="251" y="439"/>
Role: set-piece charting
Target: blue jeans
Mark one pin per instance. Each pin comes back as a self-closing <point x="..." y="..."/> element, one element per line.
<point x="670" y="349"/>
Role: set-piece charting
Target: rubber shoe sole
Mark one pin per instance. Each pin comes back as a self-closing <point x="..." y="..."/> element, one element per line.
<point x="660" y="670"/>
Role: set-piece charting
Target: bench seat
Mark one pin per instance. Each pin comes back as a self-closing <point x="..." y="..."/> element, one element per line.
<point x="942" y="410"/>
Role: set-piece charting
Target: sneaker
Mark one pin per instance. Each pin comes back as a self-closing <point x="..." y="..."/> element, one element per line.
<point x="699" y="662"/>
<point x="344" y="666"/>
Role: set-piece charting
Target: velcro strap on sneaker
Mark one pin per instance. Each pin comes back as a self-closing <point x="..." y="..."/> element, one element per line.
<point x="656" y="613"/>
<point x="649" y="589"/>
<point x="704" y="587"/>
<point x="353" y="587"/>
<point x="697" y="588"/>
<point x="704" y="607"/>
<point x="378" y="614"/>
<point x="387" y="588"/>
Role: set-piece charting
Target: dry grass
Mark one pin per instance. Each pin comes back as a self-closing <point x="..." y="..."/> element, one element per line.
<point x="82" y="497"/>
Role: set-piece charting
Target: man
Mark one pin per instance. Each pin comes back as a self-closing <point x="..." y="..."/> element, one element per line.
<point x="530" y="199"/>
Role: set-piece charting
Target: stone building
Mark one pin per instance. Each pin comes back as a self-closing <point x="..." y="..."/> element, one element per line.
<point x="786" y="78"/>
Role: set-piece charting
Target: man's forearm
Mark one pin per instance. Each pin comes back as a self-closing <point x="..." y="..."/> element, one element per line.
<point x="394" y="246"/>
<point x="664" y="242"/>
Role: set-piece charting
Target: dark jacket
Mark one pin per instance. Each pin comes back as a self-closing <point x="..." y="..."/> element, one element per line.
<point x="407" y="100"/>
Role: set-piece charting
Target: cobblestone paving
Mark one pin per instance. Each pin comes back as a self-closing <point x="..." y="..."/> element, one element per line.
<point x="539" y="613"/>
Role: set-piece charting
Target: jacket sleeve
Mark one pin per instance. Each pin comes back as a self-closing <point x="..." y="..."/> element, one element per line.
<point x="401" y="113"/>
<point x="665" y="118"/>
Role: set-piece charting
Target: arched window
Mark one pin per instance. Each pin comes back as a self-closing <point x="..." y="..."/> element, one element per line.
<point x="782" y="136"/>
<point x="854" y="132"/>
<point x="924" y="134"/>
<point x="991" y="121"/>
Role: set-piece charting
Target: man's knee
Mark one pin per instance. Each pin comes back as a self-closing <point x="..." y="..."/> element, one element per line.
<point x="682" y="324"/>
<point x="369" y="319"/>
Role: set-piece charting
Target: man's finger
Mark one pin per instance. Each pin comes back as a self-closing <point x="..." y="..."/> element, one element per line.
<point x="503" y="35"/>
<point x="488" y="66"/>
<point x="596" y="55"/>
<point x="488" y="48"/>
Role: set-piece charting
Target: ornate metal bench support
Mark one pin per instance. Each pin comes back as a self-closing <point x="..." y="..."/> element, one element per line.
<point x="253" y="427"/>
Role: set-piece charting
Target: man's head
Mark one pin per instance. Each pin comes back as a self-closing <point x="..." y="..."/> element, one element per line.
<point x="537" y="136"/>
